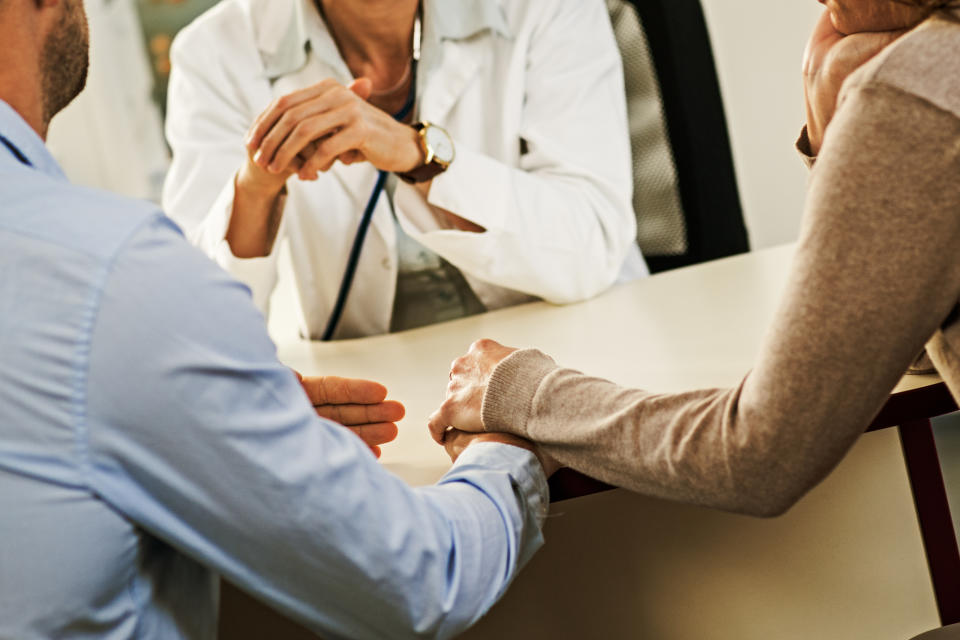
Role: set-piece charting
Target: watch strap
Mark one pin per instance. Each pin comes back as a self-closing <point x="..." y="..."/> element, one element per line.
<point x="421" y="174"/>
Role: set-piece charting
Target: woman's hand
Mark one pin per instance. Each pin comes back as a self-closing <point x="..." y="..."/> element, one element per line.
<point x="469" y="377"/>
<point x="829" y="58"/>
<point x="306" y="131"/>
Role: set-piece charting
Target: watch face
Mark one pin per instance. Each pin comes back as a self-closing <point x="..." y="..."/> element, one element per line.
<point x="441" y="144"/>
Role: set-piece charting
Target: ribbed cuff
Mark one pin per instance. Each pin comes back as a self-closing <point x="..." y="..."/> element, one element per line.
<point x="508" y="400"/>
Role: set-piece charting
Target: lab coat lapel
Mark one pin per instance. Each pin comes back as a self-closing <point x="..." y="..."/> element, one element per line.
<point x="456" y="47"/>
<point x="444" y="77"/>
<point x="280" y="34"/>
<point x="458" y="65"/>
<point x="445" y="73"/>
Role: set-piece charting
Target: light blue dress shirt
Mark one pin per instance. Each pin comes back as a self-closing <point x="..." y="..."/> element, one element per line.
<point x="150" y="439"/>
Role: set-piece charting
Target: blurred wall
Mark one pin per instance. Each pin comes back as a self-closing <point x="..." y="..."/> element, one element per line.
<point x="759" y="47"/>
<point x="110" y="136"/>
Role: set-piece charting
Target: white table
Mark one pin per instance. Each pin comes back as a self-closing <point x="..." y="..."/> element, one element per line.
<point x="685" y="329"/>
<point x="695" y="327"/>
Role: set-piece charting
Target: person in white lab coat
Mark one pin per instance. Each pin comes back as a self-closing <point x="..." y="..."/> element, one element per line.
<point x="515" y="159"/>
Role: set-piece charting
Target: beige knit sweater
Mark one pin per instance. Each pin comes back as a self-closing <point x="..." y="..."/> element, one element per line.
<point x="875" y="277"/>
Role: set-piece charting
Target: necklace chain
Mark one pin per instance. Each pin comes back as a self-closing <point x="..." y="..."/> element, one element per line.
<point x="398" y="86"/>
<point x="415" y="54"/>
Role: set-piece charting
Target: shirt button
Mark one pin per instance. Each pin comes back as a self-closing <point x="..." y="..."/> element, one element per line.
<point x="386" y="263"/>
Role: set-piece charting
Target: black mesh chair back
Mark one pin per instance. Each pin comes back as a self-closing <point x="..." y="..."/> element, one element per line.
<point x="685" y="189"/>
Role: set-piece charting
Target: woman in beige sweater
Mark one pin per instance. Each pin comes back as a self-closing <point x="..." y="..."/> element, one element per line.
<point x="875" y="278"/>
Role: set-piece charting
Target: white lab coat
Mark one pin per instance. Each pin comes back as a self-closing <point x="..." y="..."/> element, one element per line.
<point x="530" y="91"/>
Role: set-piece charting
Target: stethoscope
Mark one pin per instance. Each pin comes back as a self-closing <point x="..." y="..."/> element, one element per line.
<point x="354" y="258"/>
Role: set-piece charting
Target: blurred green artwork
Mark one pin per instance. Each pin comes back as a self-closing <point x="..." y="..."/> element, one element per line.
<point x="161" y="20"/>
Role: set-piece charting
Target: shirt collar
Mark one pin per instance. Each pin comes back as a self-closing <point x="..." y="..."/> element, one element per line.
<point x="25" y="140"/>
<point x="285" y="29"/>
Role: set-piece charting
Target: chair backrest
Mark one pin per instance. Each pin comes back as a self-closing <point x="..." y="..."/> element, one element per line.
<point x="685" y="189"/>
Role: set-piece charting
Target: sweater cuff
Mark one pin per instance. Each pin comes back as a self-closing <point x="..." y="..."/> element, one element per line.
<point x="508" y="401"/>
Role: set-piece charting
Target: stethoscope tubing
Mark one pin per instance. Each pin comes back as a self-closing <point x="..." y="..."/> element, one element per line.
<point x="346" y="283"/>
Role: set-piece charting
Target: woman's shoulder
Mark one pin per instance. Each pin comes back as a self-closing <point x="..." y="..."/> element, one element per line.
<point x="924" y="63"/>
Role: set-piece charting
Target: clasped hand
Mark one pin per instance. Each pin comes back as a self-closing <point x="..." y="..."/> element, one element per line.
<point x="306" y="131"/>
<point x="458" y="422"/>
<point x="361" y="405"/>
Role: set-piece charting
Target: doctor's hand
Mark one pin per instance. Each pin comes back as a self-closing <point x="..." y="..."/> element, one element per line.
<point x="306" y="131"/>
<point x="360" y="405"/>
<point x="829" y="58"/>
<point x="469" y="377"/>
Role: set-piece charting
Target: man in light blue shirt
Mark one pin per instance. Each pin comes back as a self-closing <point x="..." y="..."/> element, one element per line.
<point x="150" y="439"/>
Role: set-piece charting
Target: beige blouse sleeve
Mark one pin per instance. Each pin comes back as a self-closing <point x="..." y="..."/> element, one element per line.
<point x="876" y="272"/>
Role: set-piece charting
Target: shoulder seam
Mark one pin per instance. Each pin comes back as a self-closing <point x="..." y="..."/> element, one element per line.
<point x="82" y="354"/>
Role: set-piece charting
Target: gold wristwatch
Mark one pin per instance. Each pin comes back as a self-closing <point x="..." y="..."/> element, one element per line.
<point x="438" y="152"/>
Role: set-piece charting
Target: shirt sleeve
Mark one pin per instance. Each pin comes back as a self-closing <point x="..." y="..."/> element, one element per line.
<point x="196" y="433"/>
<point x="875" y="274"/>
<point x="209" y="111"/>
<point x="560" y="223"/>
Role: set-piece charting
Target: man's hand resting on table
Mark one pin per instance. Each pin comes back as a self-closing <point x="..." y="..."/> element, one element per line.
<point x="360" y="405"/>
<point x="458" y="421"/>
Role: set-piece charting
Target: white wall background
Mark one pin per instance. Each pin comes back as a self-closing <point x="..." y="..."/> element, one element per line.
<point x="110" y="136"/>
<point x="758" y="46"/>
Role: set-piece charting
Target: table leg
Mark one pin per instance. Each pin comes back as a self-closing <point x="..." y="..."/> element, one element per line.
<point x="933" y="513"/>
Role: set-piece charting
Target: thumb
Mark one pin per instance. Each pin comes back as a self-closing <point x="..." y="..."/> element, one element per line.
<point x="363" y="87"/>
